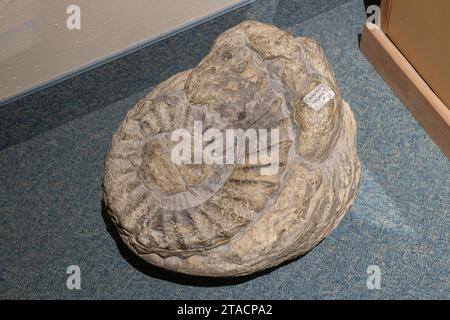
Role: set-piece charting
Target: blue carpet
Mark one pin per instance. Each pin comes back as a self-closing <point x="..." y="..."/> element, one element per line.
<point x="53" y="144"/>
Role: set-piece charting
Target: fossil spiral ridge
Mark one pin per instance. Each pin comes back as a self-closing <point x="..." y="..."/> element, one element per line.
<point x="229" y="219"/>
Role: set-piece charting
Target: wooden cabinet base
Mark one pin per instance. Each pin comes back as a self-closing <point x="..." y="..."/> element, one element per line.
<point x="408" y="85"/>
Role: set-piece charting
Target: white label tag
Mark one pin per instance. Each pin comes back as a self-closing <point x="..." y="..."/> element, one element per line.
<point x="319" y="97"/>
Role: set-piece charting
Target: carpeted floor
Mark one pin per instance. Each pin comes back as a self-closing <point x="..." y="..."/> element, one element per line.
<point x="53" y="144"/>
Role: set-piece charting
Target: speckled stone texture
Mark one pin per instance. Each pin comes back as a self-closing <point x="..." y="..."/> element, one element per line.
<point x="54" y="143"/>
<point x="231" y="219"/>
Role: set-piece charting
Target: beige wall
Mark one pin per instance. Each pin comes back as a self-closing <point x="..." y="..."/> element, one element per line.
<point x="36" y="46"/>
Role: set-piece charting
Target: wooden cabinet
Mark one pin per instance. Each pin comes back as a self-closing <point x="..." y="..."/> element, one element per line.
<point x="411" y="52"/>
<point x="421" y="32"/>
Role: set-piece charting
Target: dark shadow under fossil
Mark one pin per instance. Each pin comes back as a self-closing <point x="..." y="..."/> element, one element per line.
<point x="179" y="278"/>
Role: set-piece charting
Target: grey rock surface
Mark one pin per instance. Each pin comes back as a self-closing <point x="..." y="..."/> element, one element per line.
<point x="229" y="219"/>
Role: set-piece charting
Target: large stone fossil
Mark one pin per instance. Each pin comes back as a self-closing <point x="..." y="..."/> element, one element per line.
<point x="230" y="219"/>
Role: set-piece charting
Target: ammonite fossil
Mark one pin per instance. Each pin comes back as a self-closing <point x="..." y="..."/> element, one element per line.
<point x="227" y="216"/>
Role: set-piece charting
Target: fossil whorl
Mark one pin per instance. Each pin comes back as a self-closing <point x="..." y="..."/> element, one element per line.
<point x="229" y="219"/>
